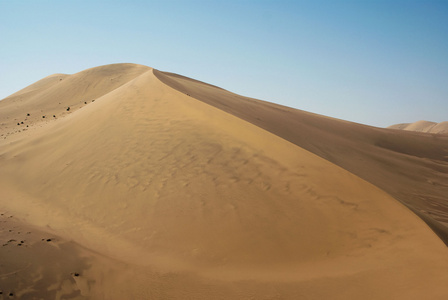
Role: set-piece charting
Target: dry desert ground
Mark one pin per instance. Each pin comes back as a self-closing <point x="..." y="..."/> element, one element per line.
<point x="125" y="182"/>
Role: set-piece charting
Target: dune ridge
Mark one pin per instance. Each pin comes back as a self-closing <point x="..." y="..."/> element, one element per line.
<point x="57" y="95"/>
<point x="410" y="166"/>
<point x="171" y="197"/>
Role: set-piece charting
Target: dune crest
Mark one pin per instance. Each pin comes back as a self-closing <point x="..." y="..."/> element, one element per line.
<point x="175" y="198"/>
<point x="58" y="95"/>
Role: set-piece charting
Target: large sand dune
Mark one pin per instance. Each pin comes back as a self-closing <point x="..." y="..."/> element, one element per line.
<point x="410" y="166"/>
<point x="168" y="188"/>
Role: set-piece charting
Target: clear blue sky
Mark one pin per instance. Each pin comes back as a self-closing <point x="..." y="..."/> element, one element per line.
<point x="371" y="62"/>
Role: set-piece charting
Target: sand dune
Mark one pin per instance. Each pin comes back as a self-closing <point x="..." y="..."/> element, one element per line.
<point x="412" y="167"/>
<point x="423" y="126"/>
<point x="168" y="188"/>
<point x="58" y="95"/>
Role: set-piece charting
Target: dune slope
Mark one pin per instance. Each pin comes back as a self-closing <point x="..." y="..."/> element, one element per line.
<point x="58" y="95"/>
<point x="410" y="166"/>
<point x="173" y="198"/>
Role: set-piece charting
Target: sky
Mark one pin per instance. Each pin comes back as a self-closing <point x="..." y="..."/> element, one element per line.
<point x="373" y="62"/>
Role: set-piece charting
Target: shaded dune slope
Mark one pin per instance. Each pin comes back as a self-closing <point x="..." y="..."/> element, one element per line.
<point x="221" y="207"/>
<point x="410" y="166"/>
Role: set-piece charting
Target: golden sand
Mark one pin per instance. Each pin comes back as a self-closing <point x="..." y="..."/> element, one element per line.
<point x="164" y="187"/>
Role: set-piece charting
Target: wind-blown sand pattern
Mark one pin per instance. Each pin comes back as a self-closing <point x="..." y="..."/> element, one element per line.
<point x="168" y="188"/>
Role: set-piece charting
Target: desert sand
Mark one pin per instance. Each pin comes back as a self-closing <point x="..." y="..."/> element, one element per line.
<point x="124" y="182"/>
<point x="423" y="126"/>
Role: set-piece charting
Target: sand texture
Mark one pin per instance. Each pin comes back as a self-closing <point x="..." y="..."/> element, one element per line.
<point x="410" y="166"/>
<point x="165" y="187"/>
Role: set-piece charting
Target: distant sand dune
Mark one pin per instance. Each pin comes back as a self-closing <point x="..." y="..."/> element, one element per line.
<point x="423" y="126"/>
<point x="168" y="197"/>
